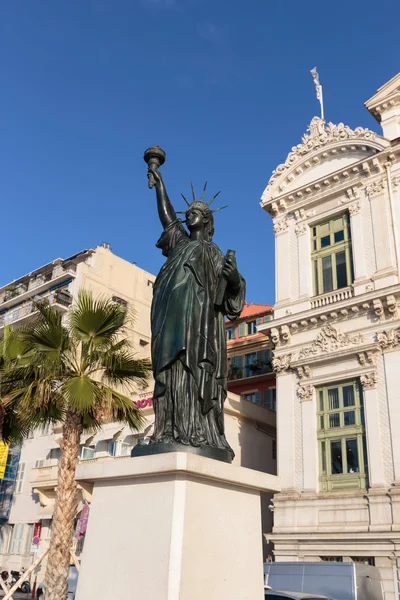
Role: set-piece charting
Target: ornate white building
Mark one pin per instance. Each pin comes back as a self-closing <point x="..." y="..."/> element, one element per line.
<point x="335" y="203"/>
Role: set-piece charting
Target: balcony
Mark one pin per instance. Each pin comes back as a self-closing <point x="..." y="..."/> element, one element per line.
<point x="254" y="370"/>
<point x="332" y="297"/>
<point x="44" y="477"/>
<point x="16" y="293"/>
<point x="59" y="298"/>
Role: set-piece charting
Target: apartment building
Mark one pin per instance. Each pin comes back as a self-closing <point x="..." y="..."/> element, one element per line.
<point x="27" y="491"/>
<point x="335" y="205"/>
<point x="250" y="372"/>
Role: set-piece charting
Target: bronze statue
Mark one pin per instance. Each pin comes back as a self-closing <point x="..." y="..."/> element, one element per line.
<point x="195" y="289"/>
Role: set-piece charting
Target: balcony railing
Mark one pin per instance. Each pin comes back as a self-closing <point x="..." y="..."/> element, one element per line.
<point x="253" y="370"/>
<point x="15" y="290"/>
<point x="58" y="297"/>
<point x="332" y="297"/>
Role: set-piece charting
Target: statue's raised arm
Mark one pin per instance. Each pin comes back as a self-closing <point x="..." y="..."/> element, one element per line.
<point x="155" y="157"/>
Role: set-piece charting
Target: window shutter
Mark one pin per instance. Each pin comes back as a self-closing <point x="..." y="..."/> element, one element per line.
<point x="259" y="321"/>
<point x="258" y="398"/>
<point x="267" y="318"/>
<point x="242" y="329"/>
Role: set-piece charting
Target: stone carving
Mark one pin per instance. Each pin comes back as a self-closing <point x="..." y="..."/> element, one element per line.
<point x="378" y="308"/>
<point x="275" y="335"/>
<point x="396" y="181"/>
<point x="281" y="226"/>
<point x="300" y="228"/>
<point x="320" y="135"/>
<point x="369" y="380"/>
<point x="354" y="208"/>
<point x="280" y="364"/>
<point x="391" y="305"/>
<point x="388" y="340"/>
<point x="330" y="340"/>
<point x="285" y="334"/>
<point x="375" y="188"/>
<point x="303" y="372"/>
<point x="305" y="392"/>
<point x="368" y="358"/>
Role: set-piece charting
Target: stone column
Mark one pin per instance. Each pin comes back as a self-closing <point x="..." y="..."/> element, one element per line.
<point x="304" y="252"/>
<point x="358" y="247"/>
<point x="392" y="371"/>
<point x="383" y="234"/>
<point x="306" y="394"/>
<point x="376" y="469"/>
<point x="282" y="256"/>
<point x="288" y="425"/>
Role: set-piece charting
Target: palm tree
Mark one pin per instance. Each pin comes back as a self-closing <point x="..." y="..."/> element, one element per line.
<point x="12" y="351"/>
<point x="78" y="373"/>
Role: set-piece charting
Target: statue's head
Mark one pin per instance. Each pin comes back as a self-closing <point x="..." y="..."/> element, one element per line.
<point x="199" y="215"/>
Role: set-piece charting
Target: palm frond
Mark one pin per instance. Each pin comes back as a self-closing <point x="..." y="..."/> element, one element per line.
<point x="96" y="321"/>
<point x="122" y="368"/>
<point x="80" y="393"/>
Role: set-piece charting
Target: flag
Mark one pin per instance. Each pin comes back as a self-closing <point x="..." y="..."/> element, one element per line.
<point x="318" y="89"/>
<point x="3" y="458"/>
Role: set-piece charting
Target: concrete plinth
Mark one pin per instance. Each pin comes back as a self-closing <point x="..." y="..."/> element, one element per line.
<point x="173" y="527"/>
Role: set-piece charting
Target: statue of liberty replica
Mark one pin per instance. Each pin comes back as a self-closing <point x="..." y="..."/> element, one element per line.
<point x="195" y="289"/>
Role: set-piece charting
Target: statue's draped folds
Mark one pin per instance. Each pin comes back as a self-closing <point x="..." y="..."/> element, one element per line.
<point x="189" y="341"/>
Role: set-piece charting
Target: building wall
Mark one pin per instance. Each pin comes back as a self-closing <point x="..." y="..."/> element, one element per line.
<point x="323" y="341"/>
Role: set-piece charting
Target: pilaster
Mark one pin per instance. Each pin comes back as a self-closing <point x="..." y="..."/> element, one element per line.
<point x="392" y="372"/>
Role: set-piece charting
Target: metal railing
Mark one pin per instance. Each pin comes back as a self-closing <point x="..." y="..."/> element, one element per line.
<point x="15" y="290"/>
<point x="58" y="297"/>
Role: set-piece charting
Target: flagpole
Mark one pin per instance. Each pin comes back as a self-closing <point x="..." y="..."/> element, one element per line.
<point x="318" y="90"/>
<point x="321" y="101"/>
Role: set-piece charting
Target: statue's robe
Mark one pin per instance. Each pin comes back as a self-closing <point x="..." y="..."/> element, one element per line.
<point x="189" y="341"/>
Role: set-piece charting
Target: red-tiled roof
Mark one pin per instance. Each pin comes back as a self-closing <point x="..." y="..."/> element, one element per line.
<point x="254" y="309"/>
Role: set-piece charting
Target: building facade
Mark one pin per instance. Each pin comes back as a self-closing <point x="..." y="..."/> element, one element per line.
<point x="27" y="491"/>
<point x="335" y="204"/>
<point x="250" y="373"/>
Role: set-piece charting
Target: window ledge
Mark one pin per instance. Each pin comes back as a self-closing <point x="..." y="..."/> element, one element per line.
<point x="332" y="297"/>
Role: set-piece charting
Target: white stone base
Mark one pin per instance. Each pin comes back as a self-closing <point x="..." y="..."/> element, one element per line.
<point x="173" y="527"/>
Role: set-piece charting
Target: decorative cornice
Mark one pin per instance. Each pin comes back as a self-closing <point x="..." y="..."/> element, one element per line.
<point x="330" y="340"/>
<point x="336" y="308"/>
<point x="375" y="188"/>
<point x="369" y="380"/>
<point x="280" y="364"/>
<point x="305" y="392"/>
<point x="281" y="226"/>
<point x="319" y="136"/>
<point x="388" y="340"/>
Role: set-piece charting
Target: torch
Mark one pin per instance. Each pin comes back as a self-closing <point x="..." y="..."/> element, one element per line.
<point x="154" y="157"/>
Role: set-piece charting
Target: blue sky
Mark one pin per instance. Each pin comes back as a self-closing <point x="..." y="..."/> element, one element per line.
<point x="224" y="87"/>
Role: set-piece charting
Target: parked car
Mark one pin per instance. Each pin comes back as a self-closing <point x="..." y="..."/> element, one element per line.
<point x="275" y="595"/>
<point x="336" y="580"/>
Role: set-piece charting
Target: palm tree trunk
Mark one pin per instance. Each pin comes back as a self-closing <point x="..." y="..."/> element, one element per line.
<point x="56" y="579"/>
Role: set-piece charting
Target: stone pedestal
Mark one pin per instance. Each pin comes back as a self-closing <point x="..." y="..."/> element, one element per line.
<point x="173" y="527"/>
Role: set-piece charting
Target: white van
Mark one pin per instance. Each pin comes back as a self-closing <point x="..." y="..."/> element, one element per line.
<point x="336" y="580"/>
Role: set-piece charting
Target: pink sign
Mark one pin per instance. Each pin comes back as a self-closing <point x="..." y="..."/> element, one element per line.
<point x="82" y="523"/>
<point x="145" y="402"/>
